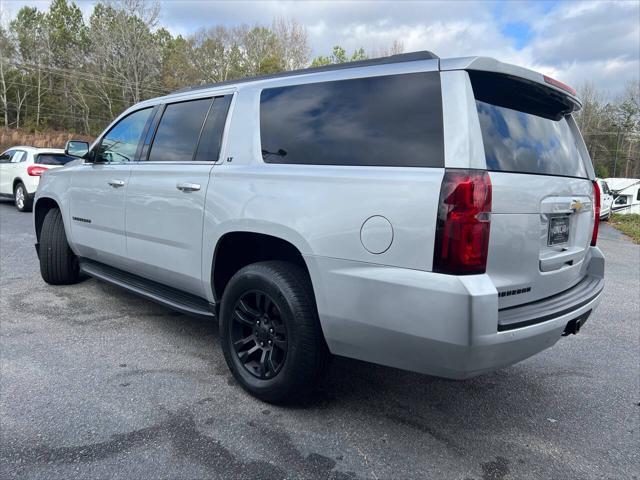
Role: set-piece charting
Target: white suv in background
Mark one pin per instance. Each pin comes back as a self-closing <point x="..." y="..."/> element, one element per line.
<point x="20" y="171"/>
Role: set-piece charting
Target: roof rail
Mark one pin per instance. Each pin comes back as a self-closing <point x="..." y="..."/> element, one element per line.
<point x="402" y="57"/>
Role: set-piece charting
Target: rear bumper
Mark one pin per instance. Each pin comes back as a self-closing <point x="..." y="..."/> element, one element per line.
<point x="436" y="324"/>
<point x="567" y="302"/>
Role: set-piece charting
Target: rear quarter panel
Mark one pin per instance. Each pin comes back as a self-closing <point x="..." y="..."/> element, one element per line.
<point x="319" y="209"/>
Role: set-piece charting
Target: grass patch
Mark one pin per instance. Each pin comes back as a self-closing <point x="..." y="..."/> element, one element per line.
<point x="628" y="224"/>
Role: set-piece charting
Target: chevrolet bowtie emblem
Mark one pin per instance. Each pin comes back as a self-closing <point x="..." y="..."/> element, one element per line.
<point x="576" y="205"/>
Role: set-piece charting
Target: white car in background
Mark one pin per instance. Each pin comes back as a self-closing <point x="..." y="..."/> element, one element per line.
<point x="606" y="199"/>
<point x="20" y="171"/>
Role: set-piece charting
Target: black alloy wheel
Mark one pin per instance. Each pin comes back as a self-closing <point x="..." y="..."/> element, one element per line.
<point x="259" y="334"/>
<point x="271" y="335"/>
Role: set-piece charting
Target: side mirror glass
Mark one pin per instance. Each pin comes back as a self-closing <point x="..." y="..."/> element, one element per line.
<point x="76" y="148"/>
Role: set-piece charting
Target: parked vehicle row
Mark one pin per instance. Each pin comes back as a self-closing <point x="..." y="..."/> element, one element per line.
<point x="20" y="171"/>
<point x="435" y="215"/>
<point x="626" y="193"/>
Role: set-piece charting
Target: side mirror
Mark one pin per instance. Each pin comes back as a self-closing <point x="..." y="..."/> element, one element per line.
<point x="76" y="148"/>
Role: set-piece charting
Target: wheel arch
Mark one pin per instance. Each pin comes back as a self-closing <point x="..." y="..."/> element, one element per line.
<point x="40" y="210"/>
<point x="238" y="248"/>
<point x="16" y="181"/>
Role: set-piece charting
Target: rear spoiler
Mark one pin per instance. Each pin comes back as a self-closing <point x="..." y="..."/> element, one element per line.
<point x="487" y="64"/>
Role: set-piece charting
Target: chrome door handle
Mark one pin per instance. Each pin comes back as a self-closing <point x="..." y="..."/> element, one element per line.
<point x="188" y="187"/>
<point x="116" y="183"/>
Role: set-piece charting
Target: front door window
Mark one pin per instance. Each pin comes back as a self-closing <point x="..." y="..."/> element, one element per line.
<point x="121" y="142"/>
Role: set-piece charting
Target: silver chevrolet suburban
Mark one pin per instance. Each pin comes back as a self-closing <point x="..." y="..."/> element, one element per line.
<point x="435" y="215"/>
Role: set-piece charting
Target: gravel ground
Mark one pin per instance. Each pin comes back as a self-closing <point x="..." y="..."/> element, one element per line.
<point x="97" y="383"/>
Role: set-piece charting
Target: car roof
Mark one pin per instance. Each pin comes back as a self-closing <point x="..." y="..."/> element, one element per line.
<point x="620" y="184"/>
<point x="402" y="57"/>
<point x="477" y="63"/>
<point x="29" y="149"/>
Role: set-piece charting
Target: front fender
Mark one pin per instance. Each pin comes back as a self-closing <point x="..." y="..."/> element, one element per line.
<point x="56" y="185"/>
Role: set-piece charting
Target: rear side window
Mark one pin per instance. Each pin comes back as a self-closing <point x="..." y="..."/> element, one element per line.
<point x="211" y="138"/>
<point x="524" y="128"/>
<point x="378" y="121"/>
<point x="19" y="156"/>
<point x="53" y="159"/>
<point x="177" y="136"/>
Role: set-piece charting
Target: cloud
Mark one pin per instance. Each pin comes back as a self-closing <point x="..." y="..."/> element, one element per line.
<point x="596" y="42"/>
<point x="588" y="31"/>
<point x="576" y="41"/>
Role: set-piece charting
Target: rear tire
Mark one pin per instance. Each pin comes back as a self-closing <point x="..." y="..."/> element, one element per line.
<point x="58" y="264"/>
<point x="270" y="332"/>
<point x="21" y="198"/>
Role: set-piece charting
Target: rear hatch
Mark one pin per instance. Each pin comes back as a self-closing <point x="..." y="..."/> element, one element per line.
<point x="542" y="206"/>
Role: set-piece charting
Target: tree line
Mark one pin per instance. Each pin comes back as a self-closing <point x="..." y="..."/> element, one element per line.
<point x="611" y="130"/>
<point x="60" y="72"/>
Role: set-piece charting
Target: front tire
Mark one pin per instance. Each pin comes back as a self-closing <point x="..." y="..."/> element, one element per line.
<point x="21" y="198"/>
<point x="58" y="264"/>
<point x="270" y="332"/>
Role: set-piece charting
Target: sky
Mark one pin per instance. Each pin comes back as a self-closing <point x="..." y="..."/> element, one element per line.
<point x="574" y="41"/>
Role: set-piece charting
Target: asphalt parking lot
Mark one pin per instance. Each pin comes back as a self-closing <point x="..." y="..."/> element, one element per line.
<point x="97" y="383"/>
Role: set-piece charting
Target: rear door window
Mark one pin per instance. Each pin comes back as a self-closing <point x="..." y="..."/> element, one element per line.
<point x="176" y="138"/>
<point x="378" y="121"/>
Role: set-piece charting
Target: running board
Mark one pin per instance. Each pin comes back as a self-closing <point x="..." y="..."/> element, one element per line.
<point x="171" y="297"/>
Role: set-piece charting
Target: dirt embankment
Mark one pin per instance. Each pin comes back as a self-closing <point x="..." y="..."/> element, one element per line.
<point x="54" y="139"/>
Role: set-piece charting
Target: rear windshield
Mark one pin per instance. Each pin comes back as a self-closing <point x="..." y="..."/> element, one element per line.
<point x="53" y="159"/>
<point x="524" y="128"/>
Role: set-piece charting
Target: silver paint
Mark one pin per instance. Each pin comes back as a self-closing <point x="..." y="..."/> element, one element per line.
<point x="385" y="307"/>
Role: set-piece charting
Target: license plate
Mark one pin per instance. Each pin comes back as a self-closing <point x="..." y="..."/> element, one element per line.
<point x="558" y="230"/>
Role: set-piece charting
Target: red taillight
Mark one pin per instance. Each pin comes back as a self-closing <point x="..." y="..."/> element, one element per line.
<point x="464" y="219"/>
<point x="596" y="212"/>
<point x="35" y="170"/>
<point x="559" y="84"/>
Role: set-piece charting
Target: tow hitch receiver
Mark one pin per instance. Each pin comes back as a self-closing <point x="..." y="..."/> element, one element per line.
<point x="573" y="326"/>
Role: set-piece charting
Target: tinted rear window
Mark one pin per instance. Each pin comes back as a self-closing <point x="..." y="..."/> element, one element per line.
<point x="516" y="141"/>
<point x="378" y="121"/>
<point x="524" y="126"/>
<point x="178" y="132"/>
<point x="53" y="159"/>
